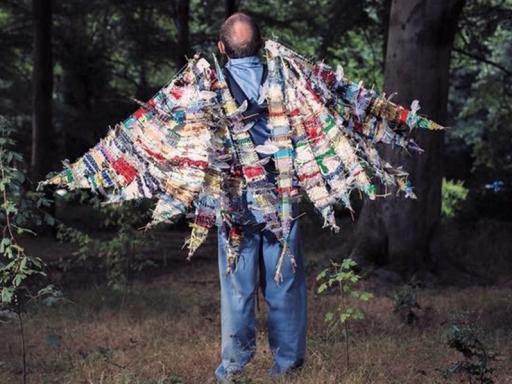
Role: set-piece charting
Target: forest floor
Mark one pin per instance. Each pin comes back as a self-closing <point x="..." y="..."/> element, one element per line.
<point x="165" y="328"/>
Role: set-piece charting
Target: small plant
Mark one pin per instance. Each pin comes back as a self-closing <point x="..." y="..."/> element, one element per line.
<point x="343" y="278"/>
<point x="21" y="275"/>
<point x="406" y="303"/>
<point x="120" y="251"/>
<point x="453" y="193"/>
<point x="463" y="337"/>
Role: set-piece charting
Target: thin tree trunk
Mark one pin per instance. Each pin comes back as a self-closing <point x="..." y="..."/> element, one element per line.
<point x="181" y="20"/>
<point x="23" y="346"/>
<point x="230" y="7"/>
<point x="42" y="80"/>
<point x="397" y="231"/>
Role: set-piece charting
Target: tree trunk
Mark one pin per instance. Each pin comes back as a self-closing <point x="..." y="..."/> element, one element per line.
<point x="42" y="80"/>
<point x="230" y="7"/>
<point x="181" y="19"/>
<point x="396" y="231"/>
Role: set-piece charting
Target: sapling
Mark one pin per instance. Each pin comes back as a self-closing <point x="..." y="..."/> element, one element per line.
<point x="21" y="275"/>
<point x="343" y="278"/>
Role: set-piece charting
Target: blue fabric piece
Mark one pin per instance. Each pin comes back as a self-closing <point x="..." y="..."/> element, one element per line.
<point x="286" y="317"/>
<point x="247" y="72"/>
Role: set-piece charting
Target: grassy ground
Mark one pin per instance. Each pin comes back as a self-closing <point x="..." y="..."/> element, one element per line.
<point x="167" y="330"/>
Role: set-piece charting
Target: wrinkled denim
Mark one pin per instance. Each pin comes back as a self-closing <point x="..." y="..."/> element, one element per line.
<point x="286" y="302"/>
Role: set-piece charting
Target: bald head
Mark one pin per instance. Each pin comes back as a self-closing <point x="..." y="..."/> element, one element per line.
<point x="239" y="36"/>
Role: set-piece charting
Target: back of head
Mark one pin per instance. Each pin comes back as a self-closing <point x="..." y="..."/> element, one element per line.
<point x="240" y="35"/>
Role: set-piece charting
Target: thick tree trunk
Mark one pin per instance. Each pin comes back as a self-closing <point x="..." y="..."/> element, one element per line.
<point x="181" y="20"/>
<point x="42" y="80"/>
<point x="230" y="7"/>
<point x="397" y="231"/>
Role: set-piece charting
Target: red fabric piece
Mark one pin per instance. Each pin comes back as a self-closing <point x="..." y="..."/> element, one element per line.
<point x="236" y="172"/>
<point x="313" y="128"/>
<point x="125" y="169"/>
<point x="177" y="93"/>
<point x="275" y="114"/>
<point x="357" y="125"/>
<point x="186" y="162"/>
<point x="327" y="76"/>
<point x="288" y="190"/>
<point x="234" y="233"/>
<point x="155" y="155"/>
<point x="253" y="171"/>
<point x="403" y="115"/>
<point x="295" y="112"/>
<point x="140" y="112"/>
<point x="309" y="175"/>
<point x="205" y="221"/>
<point x="310" y="89"/>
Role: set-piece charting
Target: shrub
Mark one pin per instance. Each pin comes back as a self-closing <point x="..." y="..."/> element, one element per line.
<point x="453" y="193"/>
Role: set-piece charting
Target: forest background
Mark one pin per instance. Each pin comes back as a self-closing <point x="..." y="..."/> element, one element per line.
<point x="71" y="69"/>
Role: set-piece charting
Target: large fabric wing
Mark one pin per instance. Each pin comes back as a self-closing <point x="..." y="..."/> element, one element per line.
<point x="161" y="151"/>
<point x="336" y="124"/>
<point x="190" y="148"/>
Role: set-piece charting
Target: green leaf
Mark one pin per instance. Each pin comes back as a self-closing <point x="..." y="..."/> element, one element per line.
<point x="322" y="274"/>
<point x="23" y="263"/>
<point x="344" y="316"/>
<point x="365" y="296"/>
<point x="4" y="244"/>
<point x="7" y="294"/>
<point x="348" y="264"/>
<point x="329" y="316"/>
<point x="50" y="220"/>
<point x="322" y="287"/>
<point x="18" y="279"/>
<point x="358" y="315"/>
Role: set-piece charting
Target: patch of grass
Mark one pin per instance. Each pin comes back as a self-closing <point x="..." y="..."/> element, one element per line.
<point x="168" y="331"/>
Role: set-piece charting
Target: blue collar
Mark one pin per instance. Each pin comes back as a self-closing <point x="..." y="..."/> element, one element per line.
<point x="244" y="60"/>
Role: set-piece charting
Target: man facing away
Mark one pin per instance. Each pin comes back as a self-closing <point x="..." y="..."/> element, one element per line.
<point x="245" y="72"/>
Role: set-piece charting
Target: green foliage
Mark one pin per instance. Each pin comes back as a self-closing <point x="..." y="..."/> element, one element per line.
<point x="108" y="51"/>
<point x="19" y="273"/>
<point x="130" y="50"/>
<point x="120" y="251"/>
<point x="453" y="193"/>
<point x="343" y="278"/>
<point x="480" y="97"/>
<point x="463" y="337"/>
<point x="406" y="302"/>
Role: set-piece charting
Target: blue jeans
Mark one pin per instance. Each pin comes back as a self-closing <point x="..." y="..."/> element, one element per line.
<point x="286" y="318"/>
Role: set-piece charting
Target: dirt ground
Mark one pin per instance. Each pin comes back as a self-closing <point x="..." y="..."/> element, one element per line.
<point x="165" y="329"/>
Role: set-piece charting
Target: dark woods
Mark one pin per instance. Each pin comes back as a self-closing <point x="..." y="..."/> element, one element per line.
<point x="69" y="69"/>
<point x="434" y="286"/>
